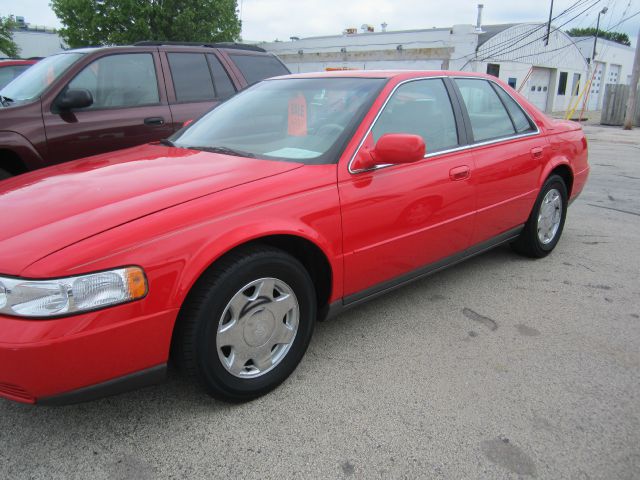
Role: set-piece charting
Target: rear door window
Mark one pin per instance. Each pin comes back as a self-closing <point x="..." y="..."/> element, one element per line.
<point x="519" y="118"/>
<point x="191" y="77"/>
<point x="117" y="81"/>
<point x="221" y="81"/>
<point x="420" y="107"/>
<point x="489" y="118"/>
<point x="258" y="67"/>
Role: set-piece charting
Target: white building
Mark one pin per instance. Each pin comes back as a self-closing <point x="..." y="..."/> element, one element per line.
<point x="37" y="43"/>
<point x="613" y="64"/>
<point x="428" y="49"/>
<point x="551" y="73"/>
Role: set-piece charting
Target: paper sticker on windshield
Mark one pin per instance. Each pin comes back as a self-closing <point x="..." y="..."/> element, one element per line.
<point x="297" y="116"/>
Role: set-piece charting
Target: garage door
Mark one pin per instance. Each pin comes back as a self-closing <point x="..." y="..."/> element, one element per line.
<point x="537" y="90"/>
<point x="614" y="74"/>
<point x="596" y="85"/>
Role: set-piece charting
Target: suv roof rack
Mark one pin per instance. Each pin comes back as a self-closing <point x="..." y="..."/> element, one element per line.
<point x="232" y="45"/>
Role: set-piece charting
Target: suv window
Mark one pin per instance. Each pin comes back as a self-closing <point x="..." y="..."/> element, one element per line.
<point x="489" y="118"/>
<point x="121" y="80"/>
<point x="518" y="117"/>
<point x="420" y="107"/>
<point x="222" y="82"/>
<point x="191" y="77"/>
<point x="258" y="67"/>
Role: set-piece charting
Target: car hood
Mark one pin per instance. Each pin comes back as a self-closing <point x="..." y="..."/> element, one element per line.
<point x="49" y="209"/>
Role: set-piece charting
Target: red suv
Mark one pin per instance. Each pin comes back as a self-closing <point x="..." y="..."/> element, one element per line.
<point x="84" y="102"/>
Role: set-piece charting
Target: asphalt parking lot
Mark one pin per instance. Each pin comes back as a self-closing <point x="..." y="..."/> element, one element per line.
<point x="501" y="367"/>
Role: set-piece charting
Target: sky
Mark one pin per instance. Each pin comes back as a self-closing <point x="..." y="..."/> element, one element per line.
<point x="280" y="19"/>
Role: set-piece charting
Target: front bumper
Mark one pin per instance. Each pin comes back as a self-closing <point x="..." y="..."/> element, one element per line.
<point x="83" y="356"/>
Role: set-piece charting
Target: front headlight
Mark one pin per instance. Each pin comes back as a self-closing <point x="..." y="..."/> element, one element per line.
<point x="63" y="296"/>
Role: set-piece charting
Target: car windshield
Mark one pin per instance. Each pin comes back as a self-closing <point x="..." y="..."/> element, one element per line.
<point x="36" y="79"/>
<point x="307" y="120"/>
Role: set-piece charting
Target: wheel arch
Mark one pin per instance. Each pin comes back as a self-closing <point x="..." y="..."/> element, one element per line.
<point x="11" y="162"/>
<point x="22" y="152"/>
<point x="307" y="251"/>
<point x="561" y="167"/>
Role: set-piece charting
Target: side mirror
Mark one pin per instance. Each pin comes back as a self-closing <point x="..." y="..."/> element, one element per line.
<point x="75" y="98"/>
<point x="392" y="148"/>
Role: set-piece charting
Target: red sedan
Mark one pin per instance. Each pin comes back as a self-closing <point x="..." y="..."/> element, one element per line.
<point x="10" y="69"/>
<point x="300" y="197"/>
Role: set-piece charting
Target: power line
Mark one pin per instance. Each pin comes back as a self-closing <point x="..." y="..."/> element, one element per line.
<point x="507" y="51"/>
<point x="513" y="41"/>
<point x="520" y="36"/>
<point x="624" y="20"/>
<point x="494" y="49"/>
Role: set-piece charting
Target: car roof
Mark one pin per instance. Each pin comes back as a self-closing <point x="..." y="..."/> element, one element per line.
<point x="10" y="62"/>
<point x="174" y="45"/>
<point x="401" y="74"/>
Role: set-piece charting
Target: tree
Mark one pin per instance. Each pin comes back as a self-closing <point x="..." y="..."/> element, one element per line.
<point x="617" y="37"/>
<point x="7" y="46"/>
<point x="113" y="22"/>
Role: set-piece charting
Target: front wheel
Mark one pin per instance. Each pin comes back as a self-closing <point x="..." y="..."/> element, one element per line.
<point x="4" y="174"/>
<point x="544" y="226"/>
<point x="248" y="323"/>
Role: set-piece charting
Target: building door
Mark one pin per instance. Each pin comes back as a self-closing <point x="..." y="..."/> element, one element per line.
<point x="596" y="85"/>
<point x="614" y="74"/>
<point x="537" y="91"/>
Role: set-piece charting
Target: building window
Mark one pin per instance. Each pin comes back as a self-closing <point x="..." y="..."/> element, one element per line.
<point x="562" y="83"/>
<point x="512" y="82"/>
<point x="493" y="69"/>
<point x="575" y="89"/>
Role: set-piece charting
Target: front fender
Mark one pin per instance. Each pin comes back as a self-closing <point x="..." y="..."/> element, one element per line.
<point x="177" y="245"/>
<point x="211" y="251"/>
<point x="23" y="148"/>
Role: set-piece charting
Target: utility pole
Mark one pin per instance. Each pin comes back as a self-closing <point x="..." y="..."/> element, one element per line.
<point x="633" y="93"/>
<point x="595" y="40"/>
<point x="546" y="40"/>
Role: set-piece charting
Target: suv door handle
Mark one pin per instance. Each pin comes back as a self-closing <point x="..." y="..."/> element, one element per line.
<point x="536" y="152"/>
<point x="459" y="173"/>
<point x="154" y="121"/>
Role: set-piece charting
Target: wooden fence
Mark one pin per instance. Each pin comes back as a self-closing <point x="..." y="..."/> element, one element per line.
<point x="614" y="105"/>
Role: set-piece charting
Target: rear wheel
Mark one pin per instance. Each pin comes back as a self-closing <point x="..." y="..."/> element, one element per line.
<point x="546" y="222"/>
<point x="247" y="324"/>
<point x="4" y="174"/>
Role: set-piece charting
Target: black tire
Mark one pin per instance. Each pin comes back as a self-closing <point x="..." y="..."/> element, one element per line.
<point x="4" y="174"/>
<point x="195" y="344"/>
<point x="528" y="243"/>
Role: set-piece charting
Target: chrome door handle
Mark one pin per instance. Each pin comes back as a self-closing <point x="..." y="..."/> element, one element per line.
<point x="154" y="121"/>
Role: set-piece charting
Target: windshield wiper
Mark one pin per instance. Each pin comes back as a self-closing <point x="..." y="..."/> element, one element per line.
<point x="5" y="100"/>
<point x="224" y="151"/>
<point x="167" y="142"/>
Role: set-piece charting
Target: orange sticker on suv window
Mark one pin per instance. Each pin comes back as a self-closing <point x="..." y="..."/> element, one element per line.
<point x="297" y="125"/>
